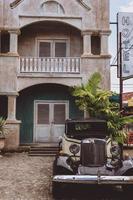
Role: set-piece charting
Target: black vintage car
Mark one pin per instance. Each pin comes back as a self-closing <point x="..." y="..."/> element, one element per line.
<point x="89" y="156"/>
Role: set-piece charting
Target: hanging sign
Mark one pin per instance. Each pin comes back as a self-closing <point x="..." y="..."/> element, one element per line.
<point x="125" y="27"/>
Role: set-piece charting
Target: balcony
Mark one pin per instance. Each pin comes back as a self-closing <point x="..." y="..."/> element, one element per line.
<point x="50" y="65"/>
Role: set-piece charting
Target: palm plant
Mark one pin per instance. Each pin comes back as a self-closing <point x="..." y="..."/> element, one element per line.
<point x="2" y="127"/>
<point x="91" y="98"/>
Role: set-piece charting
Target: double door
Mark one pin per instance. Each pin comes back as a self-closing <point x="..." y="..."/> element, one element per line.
<point x="49" y="120"/>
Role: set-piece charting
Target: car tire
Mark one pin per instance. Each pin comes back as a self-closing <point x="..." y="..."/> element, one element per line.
<point x="57" y="190"/>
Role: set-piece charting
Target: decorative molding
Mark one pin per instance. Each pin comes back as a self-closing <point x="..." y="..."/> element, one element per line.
<point x="96" y="32"/>
<point x="82" y="3"/>
<point x="15" y="3"/>
<point x="59" y="8"/>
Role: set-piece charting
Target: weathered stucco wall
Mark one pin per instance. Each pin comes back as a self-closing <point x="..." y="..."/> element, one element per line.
<point x="73" y="20"/>
<point x="93" y="17"/>
<point x="98" y="12"/>
<point x="91" y="65"/>
<point x="8" y="73"/>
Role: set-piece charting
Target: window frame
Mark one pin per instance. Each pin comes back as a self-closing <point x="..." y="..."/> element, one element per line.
<point x="52" y="45"/>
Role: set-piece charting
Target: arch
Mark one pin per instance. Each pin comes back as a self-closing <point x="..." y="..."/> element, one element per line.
<point x="69" y="82"/>
<point x="75" y="22"/>
<point x="42" y="92"/>
<point x="39" y="84"/>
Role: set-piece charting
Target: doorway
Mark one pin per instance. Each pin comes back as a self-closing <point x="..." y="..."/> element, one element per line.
<point x="49" y="120"/>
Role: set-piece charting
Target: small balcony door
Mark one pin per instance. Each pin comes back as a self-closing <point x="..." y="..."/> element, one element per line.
<point x="49" y="120"/>
<point x="52" y="48"/>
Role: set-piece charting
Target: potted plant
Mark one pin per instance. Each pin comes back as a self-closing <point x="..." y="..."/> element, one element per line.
<point x="2" y="132"/>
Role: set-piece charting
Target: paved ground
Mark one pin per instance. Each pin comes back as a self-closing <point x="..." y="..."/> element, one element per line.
<point x="25" y="178"/>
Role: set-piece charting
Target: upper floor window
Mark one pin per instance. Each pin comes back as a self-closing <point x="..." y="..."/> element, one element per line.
<point x="52" y="48"/>
<point x="4" y="42"/>
<point x="95" y="45"/>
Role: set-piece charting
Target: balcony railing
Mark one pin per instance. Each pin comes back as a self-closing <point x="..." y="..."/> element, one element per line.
<point x="53" y="65"/>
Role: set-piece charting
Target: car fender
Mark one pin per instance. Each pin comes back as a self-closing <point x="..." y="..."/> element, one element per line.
<point x="62" y="162"/>
<point x="126" y="168"/>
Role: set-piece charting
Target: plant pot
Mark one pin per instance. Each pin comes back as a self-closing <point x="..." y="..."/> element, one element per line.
<point x="2" y="143"/>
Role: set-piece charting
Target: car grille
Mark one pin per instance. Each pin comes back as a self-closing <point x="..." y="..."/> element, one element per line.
<point x="93" y="152"/>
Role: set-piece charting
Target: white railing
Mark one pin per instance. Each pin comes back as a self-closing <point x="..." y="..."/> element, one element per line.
<point x="59" y="65"/>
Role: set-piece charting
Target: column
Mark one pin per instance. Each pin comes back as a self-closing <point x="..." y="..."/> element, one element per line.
<point x="104" y="43"/>
<point x="12" y="107"/>
<point x="86" y="43"/>
<point x="14" y="41"/>
<point x="0" y="41"/>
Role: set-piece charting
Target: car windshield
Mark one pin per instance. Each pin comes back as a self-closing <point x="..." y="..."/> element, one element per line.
<point x="81" y="130"/>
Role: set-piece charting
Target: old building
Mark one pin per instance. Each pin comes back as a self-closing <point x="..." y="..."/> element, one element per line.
<point x="47" y="46"/>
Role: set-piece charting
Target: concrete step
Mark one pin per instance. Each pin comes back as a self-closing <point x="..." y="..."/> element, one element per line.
<point x="42" y="154"/>
<point x="43" y="150"/>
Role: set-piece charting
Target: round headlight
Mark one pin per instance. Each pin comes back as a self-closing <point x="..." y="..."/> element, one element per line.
<point x="74" y="148"/>
<point x="115" y="150"/>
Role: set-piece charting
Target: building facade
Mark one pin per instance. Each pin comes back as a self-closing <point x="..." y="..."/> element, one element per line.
<point x="48" y="46"/>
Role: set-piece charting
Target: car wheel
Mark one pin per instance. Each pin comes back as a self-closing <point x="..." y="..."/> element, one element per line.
<point x="58" y="190"/>
<point x="128" y="189"/>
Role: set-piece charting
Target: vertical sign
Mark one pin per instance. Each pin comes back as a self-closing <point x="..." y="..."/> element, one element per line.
<point x="125" y="27"/>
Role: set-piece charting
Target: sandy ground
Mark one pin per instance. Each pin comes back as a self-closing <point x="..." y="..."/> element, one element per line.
<point x="25" y="178"/>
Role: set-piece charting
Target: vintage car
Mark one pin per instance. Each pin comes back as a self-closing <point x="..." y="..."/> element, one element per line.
<point x="88" y="155"/>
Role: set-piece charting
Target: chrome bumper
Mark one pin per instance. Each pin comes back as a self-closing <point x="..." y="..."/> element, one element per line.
<point x="87" y="179"/>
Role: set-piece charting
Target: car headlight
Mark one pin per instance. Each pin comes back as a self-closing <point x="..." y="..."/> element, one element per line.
<point x="115" y="150"/>
<point x="74" y="148"/>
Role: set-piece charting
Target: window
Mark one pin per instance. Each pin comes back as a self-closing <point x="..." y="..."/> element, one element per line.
<point x="60" y="49"/>
<point x="4" y="42"/>
<point x="52" y="48"/>
<point x="95" y="45"/>
<point x="59" y="113"/>
<point x="43" y="114"/>
<point x="44" y="49"/>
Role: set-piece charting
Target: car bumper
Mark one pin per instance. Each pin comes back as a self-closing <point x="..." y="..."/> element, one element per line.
<point x="87" y="179"/>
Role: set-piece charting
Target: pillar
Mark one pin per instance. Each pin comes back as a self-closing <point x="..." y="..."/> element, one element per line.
<point x="104" y="43"/>
<point x="14" y="41"/>
<point x="86" y="43"/>
<point x="11" y="107"/>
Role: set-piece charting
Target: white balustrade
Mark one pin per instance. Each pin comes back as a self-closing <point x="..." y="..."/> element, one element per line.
<point x="53" y="65"/>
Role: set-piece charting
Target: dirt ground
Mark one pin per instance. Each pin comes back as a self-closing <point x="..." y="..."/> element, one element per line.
<point x="25" y="178"/>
